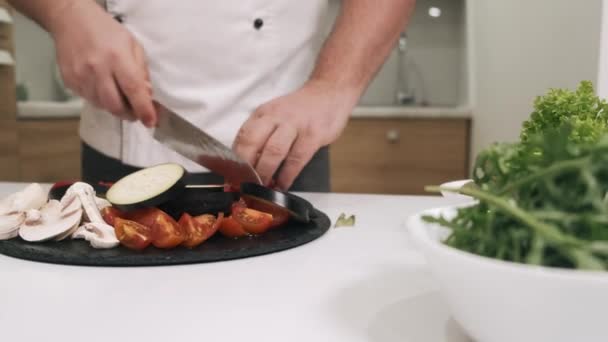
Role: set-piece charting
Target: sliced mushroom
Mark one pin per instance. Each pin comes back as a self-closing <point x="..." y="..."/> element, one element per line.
<point x="96" y="231"/>
<point x="102" y="203"/>
<point x="9" y="225"/>
<point x="86" y="195"/>
<point x="100" y="235"/>
<point x="32" y="196"/>
<point x="55" y="220"/>
<point x="67" y="234"/>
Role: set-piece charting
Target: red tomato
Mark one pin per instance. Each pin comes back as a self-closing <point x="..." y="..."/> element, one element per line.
<point x="279" y="214"/>
<point x="132" y="234"/>
<point x="145" y="216"/>
<point x="199" y="229"/>
<point x="110" y="214"/>
<point x="167" y="233"/>
<point x="229" y="227"/>
<point x="253" y="221"/>
<point x="210" y="223"/>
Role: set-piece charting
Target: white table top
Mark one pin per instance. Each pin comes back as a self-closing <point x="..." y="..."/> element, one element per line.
<point x="362" y="283"/>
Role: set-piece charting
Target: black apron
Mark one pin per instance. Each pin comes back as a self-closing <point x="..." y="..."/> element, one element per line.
<point x="97" y="167"/>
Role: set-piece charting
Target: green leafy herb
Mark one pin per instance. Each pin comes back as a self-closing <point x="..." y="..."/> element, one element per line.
<point x="344" y="221"/>
<point x="543" y="200"/>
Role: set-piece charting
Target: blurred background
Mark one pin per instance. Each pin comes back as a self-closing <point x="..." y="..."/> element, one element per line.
<point x="463" y="75"/>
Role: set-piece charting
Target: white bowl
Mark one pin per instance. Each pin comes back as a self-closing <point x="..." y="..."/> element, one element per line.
<point x="497" y="301"/>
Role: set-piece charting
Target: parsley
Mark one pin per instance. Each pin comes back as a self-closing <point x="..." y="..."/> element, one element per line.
<point x="543" y="200"/>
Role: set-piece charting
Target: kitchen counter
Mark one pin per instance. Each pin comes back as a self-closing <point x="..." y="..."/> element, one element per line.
<point x="392" y="112"/>
<point x="361" y="283"/>
<point x="71" y="110"/>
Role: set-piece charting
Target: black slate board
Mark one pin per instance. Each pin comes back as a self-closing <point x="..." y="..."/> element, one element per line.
<point x="218" y="248"/>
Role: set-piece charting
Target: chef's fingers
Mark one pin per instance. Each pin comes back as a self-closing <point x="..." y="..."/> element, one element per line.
<point x="252" y="137"/>
<point x="109" y="96"/>
<point x="142" y="61"/>
<point x="300" y="154"/>
<point x="88" y="91"/>
<point x="276" y="149"/>
<point x="135" y="88"/>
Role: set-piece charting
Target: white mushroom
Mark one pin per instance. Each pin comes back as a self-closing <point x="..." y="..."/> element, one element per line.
<point x="9" y="225"/>
<point x="32" y="196"/>
<point x="96" y="231"/>
<point x="102" y="203"/>
<point x="86" y="195"/>
<point x="100" y="235"/>
<point x="13" y="208"/>
<point x="66" y="234"/>
<point x="54" y="220"/>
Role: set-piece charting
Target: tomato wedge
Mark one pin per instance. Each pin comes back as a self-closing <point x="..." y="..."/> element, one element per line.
<point x="279" y="214"/>
<point x="145" y="216"/>
<point x="253" y="221"/>
<point x="109" y="215"/>
<point x="167" y="233"/>
<point x="230" y="228"/>
<point x="199" y="229"/>
<point x="132" y="234"/>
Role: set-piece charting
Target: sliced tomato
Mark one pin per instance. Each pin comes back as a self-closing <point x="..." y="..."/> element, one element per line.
<point x="167" y="233"/>
<point x="145" y="216"/>
<point x="229" y="227"/>
<point x="132" y="234"/>
<point x="109" y="214"/>
<point x="253" y="221"/>
<point x="279" y="214"/>
<point x="199" y="229"/>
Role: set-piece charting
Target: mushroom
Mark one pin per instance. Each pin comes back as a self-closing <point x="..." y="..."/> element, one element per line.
<point x="100" y="235"/>
<point x="9" y="225"/>
<point x="86" y="194"/>
<point x="13" y="208"/>
<point x="102" y="203"/>
<point x="52" y="220"/>
<point x="32" y="196"/>
<point x="96" y="231"/>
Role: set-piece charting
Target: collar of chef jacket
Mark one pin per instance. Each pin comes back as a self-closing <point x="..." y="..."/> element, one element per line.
<point x="213" y="62"/>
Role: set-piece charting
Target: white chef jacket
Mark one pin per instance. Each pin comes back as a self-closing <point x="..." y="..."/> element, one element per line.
<point x="213" y="62"/>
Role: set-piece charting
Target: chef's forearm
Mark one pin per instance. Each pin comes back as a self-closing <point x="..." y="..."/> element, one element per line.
<point x="363" y="36"/>
<point x="47" y="12"/>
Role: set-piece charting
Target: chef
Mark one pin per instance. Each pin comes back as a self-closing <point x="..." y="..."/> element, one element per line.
<point x="259" y="75"/>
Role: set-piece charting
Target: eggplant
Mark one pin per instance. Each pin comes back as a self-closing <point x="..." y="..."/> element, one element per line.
<point x="298" y="208"/>
<point x="149" y="187"/>
<point x="200" y="200"/>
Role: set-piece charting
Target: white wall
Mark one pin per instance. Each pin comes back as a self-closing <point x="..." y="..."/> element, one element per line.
<point x="519" y="49"/>
<point x="35" y="55"/>
<point x="434" y="64"/>
<point x="602" y="87"/>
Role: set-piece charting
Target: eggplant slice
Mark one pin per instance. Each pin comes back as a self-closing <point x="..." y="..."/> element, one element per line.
<point x="299" y="208"/>
<point x="200" y="200"/>
<point x="148" y="187"/>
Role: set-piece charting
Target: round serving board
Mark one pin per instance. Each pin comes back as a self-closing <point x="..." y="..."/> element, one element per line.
<point x="217" y="248"/>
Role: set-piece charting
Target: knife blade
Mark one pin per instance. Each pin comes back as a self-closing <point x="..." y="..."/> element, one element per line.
<point x="193" y="143"/>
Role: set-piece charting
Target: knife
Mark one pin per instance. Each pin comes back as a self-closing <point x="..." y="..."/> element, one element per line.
<point x="191" y="142"/>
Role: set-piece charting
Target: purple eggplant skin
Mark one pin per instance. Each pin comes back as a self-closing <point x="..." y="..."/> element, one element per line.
<point x="196" y="202"/>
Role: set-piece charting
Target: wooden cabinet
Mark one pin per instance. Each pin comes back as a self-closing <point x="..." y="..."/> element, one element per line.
<point x="399" y="156"/>
<point x="39" y="150"/>
<point x="49" y="150"/>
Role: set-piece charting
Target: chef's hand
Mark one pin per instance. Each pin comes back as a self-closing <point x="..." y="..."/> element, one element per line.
<point x="100" y="60"/>
<point x="291" y="129"/>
